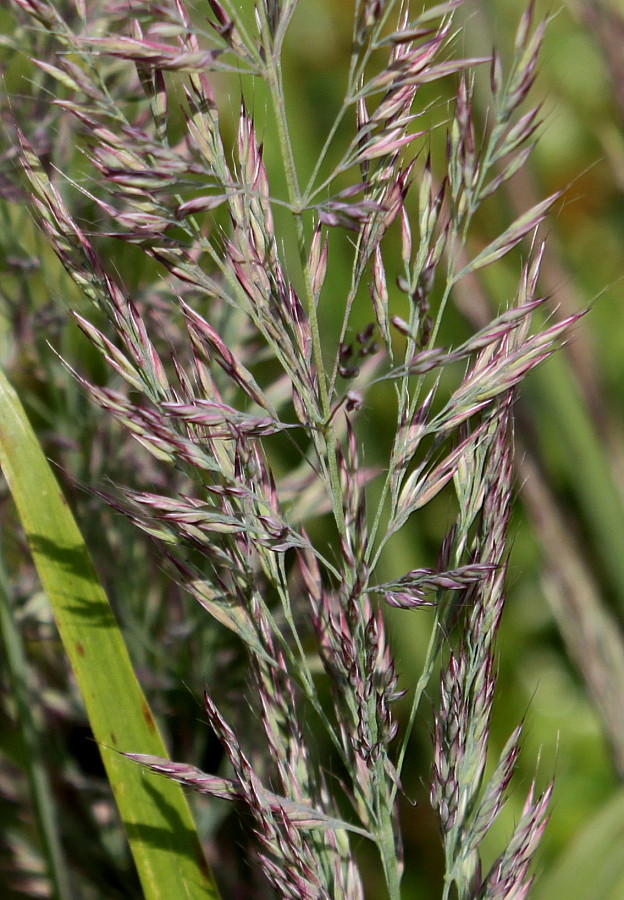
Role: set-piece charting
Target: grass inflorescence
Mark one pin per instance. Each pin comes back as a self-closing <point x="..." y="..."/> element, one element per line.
<point x="248" y="373"/>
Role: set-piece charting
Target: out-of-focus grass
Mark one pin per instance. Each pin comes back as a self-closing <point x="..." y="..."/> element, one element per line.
<point x="572" y="425"/>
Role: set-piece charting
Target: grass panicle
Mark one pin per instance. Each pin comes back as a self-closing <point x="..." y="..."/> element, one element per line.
<point x="248" y="373"/>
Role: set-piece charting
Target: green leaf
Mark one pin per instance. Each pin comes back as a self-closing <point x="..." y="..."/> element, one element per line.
<point x="156" y="815"/>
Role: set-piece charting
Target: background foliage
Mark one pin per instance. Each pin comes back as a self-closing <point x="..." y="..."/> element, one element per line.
<point x="566" y="582"/>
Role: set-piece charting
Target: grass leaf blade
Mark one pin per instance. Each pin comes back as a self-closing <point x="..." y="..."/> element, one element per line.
<point x="157" y="818"/>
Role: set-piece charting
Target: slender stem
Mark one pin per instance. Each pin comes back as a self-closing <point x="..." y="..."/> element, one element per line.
<point x="325" y="427"/>
<point x="423" y="681"/>
<point x="387" y="850"/>
<point x="346" y="103"/>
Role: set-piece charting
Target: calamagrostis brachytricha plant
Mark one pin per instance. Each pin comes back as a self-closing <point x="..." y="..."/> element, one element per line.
<point x="289" y="562"/>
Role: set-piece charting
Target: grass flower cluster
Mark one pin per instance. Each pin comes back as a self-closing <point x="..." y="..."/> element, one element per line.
<point x="232" y="368"/>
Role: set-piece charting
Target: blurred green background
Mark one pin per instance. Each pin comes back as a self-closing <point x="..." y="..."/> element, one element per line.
<point x="560" y="657"/>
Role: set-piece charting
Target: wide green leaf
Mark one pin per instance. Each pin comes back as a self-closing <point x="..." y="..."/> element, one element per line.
<point x="158" y="821"/>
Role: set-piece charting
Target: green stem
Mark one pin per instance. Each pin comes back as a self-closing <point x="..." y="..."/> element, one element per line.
<point x="274" y="81"/>
<point x="423" y="681"/>
<point x="387" y="850"/>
